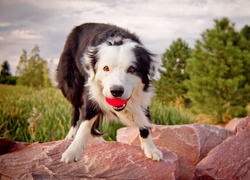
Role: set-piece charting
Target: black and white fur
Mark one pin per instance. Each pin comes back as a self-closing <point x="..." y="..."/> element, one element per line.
<point x="98" y="61"/>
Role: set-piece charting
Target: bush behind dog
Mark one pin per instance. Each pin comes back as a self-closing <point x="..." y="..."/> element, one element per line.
<point x="30" y="115"/>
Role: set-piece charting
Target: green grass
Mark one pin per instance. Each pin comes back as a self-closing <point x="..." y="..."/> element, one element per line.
<point x="168" y="115"/>
<point x="30" y="115"/>
<point x="17" y="105"/>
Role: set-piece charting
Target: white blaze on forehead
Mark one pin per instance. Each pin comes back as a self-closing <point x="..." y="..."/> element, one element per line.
<point x="116" y="55"/>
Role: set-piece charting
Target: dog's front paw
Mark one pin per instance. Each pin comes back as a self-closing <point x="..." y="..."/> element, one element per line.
<point x="150" y="150"/>
<point x="154" y="153"/>
<point x="72" y="154"/>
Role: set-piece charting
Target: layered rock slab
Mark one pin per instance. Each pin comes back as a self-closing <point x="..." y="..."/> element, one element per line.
<point x="104" y="160"/>
<point x="237" y="123"/>
<point x="231" y="159"/>
<point x="190" y="143"/>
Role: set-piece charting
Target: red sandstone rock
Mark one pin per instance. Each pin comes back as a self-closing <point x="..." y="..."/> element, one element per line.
<point x="190" y="143"/>
<point x="9" y="146"/>
<point x="231" y="125"/>
<point x="243" y="125"/>
<point x="230" y="159"/>
<point x="104" y="160"/>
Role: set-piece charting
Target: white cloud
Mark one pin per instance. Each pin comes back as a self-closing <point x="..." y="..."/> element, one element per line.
<point x="24" y="35"/>
<point x="4" y="24"/>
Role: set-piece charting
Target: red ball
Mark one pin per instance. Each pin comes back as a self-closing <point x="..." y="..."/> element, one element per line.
<point x="116" y="102"/>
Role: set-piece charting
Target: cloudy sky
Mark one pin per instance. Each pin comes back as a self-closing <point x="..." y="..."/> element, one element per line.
<point x="46" y="23"/>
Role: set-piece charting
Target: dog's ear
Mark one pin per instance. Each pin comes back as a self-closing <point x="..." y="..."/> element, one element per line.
<point x="88" y="61"/>
<point x="149" y="61"/>
<point x="155" y="67"/>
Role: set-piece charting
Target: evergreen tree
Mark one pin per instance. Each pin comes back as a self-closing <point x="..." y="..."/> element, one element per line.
<point x="5" y="69"/>
<point x="33" y="70"/>
<point x="245" y="32"/>
<point x="5" y="75"/>
<point x="217" y="82"/>
<point x="245" y="48"/>
<point x="171" y="86"/>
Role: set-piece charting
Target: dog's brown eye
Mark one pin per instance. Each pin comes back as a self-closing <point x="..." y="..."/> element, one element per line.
<point x="131" y="69"/>
<point x="105" y="68"/>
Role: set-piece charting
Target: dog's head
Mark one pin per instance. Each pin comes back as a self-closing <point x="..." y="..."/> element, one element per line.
<point x="118" y="68"/>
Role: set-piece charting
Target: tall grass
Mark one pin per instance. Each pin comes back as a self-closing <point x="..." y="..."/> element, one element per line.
<point x="17" y="106"/>
<point x="30" y="115"/>
<point x="168" y="114"/>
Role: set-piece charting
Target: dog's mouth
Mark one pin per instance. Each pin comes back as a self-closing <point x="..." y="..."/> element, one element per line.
<point x="116" y="103"/>
<point x="119" y="108"/>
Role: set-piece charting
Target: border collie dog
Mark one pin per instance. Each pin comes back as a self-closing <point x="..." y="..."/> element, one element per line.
<point x="104" y="71"/>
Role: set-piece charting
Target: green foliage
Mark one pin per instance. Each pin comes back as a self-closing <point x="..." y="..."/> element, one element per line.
<point x="8" y="80"/>
<point x="245" y="50"/>
<point x="33" y="70"/>
<point x="168" y="114"/>
<point x="30" y="115"/>
<point x="5" y="69"/>
<point x="5" y="75"/>
<point x="171" y="85"/>
<point x="19" y="104"/>
<point x="217" y="70"/>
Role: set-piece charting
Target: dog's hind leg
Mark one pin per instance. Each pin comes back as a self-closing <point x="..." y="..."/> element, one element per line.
<point x="147" y="145"/>
<point x="74" y="118"/>
<point x="75" y="150"/>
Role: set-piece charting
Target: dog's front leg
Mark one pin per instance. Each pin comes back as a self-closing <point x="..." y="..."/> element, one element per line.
<point x="74" y="118"/>
<point x="75" y="150"/>
<point x="147" y="145"/>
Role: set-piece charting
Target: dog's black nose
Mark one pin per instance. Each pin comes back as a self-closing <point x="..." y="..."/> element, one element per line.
<point x="117" y="91"/>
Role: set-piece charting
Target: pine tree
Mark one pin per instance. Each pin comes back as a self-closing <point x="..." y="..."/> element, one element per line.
<point x="216" y="68"/>
<point x="171" y="87"/>
<point x="33" y="70"/>
<point x="245" y="49"/>
<point x="5" y="69"/>
<point x="5" y="74"/>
